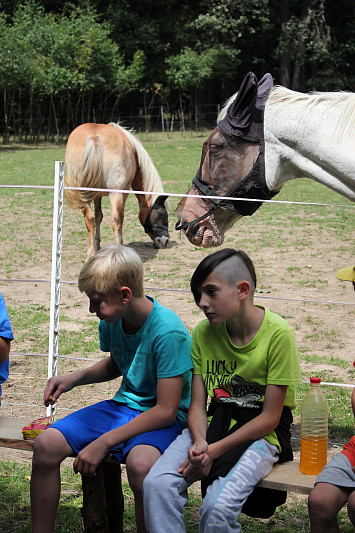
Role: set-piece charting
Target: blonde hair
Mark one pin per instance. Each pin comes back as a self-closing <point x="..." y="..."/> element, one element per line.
<point x="111" y="268"/>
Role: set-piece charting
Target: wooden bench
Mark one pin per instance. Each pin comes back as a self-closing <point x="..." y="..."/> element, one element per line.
<point x="103" y="503"/>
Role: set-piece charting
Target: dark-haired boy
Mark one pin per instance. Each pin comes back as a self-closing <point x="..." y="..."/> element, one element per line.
<point x="246" y="360"/>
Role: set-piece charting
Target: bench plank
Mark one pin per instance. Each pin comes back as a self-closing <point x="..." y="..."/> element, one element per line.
<point x="285" y="476"/>
<point x="11" y="433"/>
<point x="288" y="477"/>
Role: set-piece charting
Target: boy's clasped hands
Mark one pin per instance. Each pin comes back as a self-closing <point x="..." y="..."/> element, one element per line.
<point x="198" y="464"/>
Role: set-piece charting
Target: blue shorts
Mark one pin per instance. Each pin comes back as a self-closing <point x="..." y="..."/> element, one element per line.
<point x="88" y="424"/>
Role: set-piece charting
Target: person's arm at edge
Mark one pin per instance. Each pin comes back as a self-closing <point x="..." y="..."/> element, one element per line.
<point x="353" y="401"/>
<point x="5" y="345"/>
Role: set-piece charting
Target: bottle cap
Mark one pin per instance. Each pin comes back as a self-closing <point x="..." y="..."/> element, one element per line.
<point x="315" y="380"/>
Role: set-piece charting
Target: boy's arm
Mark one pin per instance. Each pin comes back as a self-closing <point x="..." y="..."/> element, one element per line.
<point x="197" y="420"/>
<point x="197" y="415"/>
<point x="256" y="428"/>
<point x="163" y="414"/>
<point x="104" y="370"/>
<point x="198" y="468"/>
<point x="5" y="345"/>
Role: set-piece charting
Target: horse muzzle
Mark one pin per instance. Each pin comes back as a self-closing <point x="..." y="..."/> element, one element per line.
<point x="161" y="241"/>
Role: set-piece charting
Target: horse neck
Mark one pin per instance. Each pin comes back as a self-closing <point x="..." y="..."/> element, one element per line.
<point x="146" y="173"/>
<point x="309" y="147"/>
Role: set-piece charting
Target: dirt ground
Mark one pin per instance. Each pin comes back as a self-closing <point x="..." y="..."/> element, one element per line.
<point x="295" y="265"/>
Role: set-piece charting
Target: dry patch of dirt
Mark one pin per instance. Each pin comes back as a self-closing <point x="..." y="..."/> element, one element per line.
<point x="296" y="278"/>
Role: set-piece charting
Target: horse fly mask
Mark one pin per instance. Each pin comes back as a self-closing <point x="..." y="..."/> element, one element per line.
<point x="244" y="121"/>
<point x="156" y="222"/>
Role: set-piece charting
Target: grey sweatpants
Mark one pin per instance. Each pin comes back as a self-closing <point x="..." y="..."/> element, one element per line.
<point x="165" y="491"/>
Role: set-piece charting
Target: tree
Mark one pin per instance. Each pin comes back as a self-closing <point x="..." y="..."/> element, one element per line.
<point x="304" y="43"/>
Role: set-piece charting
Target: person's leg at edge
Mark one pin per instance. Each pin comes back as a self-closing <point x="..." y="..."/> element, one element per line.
<point x="50" y="449"/>
<point x="324" y="504"/>
<point x="139" y="461"/>
<point x="351" y="507"/>
<point x="225" y="497"/>
<point x="165" y="491"/>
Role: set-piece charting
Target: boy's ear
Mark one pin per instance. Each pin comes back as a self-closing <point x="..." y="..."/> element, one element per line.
<point x="244" y="289"/>
<point x="126" y="294"/>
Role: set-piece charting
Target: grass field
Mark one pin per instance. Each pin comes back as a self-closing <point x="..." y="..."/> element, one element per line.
<point x="296" y="249"/>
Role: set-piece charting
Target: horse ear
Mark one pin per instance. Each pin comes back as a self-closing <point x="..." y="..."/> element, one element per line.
<point x="160" y="201"/>
<point x="265" y="85"/>
<point x="240" y="112"/>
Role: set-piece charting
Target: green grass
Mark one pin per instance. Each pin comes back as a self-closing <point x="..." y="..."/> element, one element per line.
<point x="274" y="236"/>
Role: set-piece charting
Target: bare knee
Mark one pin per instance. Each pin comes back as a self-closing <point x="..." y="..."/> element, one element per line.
<point x="50" y="448"/>
<point x="316" y="502"/>
<point x="136" y="473"/>
<point x="324" y="503"/>
<point x="351" y="508"/>
<point x="138" y="466"/>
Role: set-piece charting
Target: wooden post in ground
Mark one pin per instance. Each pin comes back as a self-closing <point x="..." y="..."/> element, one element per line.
<point x="103" y="503"/>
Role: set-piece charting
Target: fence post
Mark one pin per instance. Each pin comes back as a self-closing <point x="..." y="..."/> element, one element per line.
<point x="57" y="239"/>
<point x="162" y="118"/>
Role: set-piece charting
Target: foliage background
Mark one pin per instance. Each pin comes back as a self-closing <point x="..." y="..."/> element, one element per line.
<point x="63" y="63"/>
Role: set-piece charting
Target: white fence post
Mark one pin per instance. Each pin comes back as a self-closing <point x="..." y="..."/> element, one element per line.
<point x="56" y="273"/>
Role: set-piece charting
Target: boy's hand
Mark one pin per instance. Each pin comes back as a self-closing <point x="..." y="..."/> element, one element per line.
<point x="197" y="453"/>
<point x="55" y="387"/>
<point x="198" y="464"/>
<point x="194" y="473"/>
<point x="89" y="458"/>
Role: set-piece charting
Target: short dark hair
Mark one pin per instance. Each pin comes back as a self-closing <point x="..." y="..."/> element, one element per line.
<point x="212" y="261"/>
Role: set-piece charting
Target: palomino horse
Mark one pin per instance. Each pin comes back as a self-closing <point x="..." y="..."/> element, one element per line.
<point x="264" y="137"/>
<point x="107" y="156"/>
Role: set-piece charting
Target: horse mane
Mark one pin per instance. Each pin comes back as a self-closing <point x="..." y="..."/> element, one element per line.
<point x="150" y="177"/>
<point x="223" y="111"/>
<point x="306" y="102"/>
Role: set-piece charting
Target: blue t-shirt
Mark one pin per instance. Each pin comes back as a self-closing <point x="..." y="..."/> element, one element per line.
<point x="160" y="349"/>
<point x="6" y="332"/>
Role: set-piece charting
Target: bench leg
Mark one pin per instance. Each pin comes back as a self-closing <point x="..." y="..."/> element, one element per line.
<point x="103" y="503"/>
<point x="114" y="496"/>
<point x="94" y="510"/>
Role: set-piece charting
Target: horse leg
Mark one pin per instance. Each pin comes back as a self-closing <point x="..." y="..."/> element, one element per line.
<point x="98" y="220"/>
<point x="90" y="226"/>
<point x="117" y="202"/>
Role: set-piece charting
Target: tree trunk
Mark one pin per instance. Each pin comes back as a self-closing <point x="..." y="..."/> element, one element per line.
<point x="285" y="64"/>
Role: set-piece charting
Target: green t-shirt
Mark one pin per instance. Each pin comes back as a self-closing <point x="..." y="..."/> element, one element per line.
<point x="240" y="374"/>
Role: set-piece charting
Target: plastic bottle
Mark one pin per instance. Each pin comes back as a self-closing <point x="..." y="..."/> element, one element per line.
<point x="314" y="429"/>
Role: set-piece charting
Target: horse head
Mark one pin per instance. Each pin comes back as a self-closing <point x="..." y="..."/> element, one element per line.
<point x="156" y="223"/>
<point x="231" y="167"/>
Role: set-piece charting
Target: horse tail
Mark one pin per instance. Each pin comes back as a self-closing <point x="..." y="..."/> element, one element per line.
<point x="88" y="175"/>
<point x="150" y="177"/>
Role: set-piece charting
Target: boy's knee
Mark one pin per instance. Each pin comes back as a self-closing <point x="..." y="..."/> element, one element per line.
<point x="319" y="505"/>
<point x="137" y="471"/>
<point x="315" y="500"/>
<point x="48" y="448"/>
<point x="351" y="507"/>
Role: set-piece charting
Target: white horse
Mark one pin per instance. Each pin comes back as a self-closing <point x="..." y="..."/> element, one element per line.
<point x="260" y="144"/>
